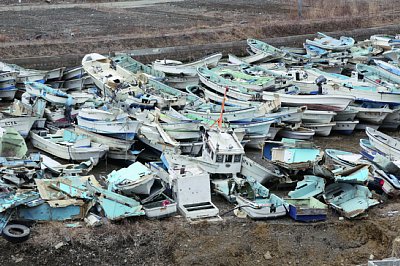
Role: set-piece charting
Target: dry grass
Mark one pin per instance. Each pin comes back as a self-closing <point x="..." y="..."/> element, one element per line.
<point x="322" y="9"/>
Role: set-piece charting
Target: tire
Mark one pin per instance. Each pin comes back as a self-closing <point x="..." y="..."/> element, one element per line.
<point x="16" y="233"/>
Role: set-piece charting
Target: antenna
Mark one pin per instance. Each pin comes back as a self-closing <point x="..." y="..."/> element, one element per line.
<point x="220" y="119"/>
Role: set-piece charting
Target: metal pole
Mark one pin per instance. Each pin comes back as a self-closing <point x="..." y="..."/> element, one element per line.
<point x="300" y="8"/>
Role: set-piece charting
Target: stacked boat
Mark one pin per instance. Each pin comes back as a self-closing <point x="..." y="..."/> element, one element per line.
<point x="111" y="127"/>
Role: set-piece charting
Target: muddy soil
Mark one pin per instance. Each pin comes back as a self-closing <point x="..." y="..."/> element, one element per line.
<point x="73" y="29"/>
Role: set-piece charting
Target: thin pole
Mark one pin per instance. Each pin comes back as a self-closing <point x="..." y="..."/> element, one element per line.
<point x="300" y="8"/>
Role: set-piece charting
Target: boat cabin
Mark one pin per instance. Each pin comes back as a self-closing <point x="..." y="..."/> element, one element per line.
<point x="223" y="150"/>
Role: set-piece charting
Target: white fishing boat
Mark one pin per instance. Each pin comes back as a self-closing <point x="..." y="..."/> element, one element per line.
<point x="123" y="155"/>
<point x="222" y="153"/>
<point x="349" y="114"/>
<point x="361" y="126"/>
<point x="55" y="96"/>
<point x="7" y="75"/>
<point x="68" y="145"/>
<point x="329" y="43"/>
<point x="92" y="114"/>
<point x="254" y="141"/>
<point x="252" y="58"/>
<point x="8" y="93"/>
<point x="175" y="67"/>
<point x="345" y="127"/>
<point x="321" y="129"/>
<point x="22" y="124"/>
<point x="114" y="144"/>
<point x="133" y="180"/>
<point x="372" y="115"/>
<point x="24" y="75"/>
<point x="389" y="70"/>
<point x="392" y="120"/>
<point x="126" y="130"/>
<point x="288" y="114"/>
<point x="219" y="85"/>
<point x="57" y="114"/>
<point x="271" y="52"/>
<point x="73" y="73"/>
<point x="108" y="76"/>
<point x="183" y="130"/>
<point x="355" y="85"/>
<point x="263" y="208"/>
<point x="313" y="116"/>
<point x="216" y="98"/>
<point x="260" y="173"/>
<point x="314" y="102"/>
<point x="181" y="82"/>
<point x="384" y="143"/>
<point x="241" y="114"/>
<point x="55" y="74"/>
<point x="296" y="133"/>
<point x="383" y="40"/>
<point x="273" y="131"/>
<point x="75" y="84"/>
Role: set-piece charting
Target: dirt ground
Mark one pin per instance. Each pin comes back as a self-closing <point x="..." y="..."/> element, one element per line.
<point x="37" y="28"/>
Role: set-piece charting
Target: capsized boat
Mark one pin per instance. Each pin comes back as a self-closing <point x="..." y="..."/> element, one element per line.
<point x="67" y="145"/>
<point x="350" y="200"/>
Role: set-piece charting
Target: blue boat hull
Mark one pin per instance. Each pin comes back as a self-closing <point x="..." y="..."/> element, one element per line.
<point x="307" y="217"/>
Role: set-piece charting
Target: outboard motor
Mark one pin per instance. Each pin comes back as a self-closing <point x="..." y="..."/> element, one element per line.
<point x="319" y="81"/>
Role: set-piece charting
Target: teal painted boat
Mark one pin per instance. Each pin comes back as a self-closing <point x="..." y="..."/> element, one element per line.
<point x="349" y="200"/>
<point x="310" y="186"/>
<point x="129" y="64"/>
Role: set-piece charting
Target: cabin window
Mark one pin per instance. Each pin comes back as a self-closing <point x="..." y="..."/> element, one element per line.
<point x="297" y="76"/>
<point x="220" y="158"/>
<point x="238" y="157"/>
<point x="212" y="155"/>
<point x="228" y="158"/>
